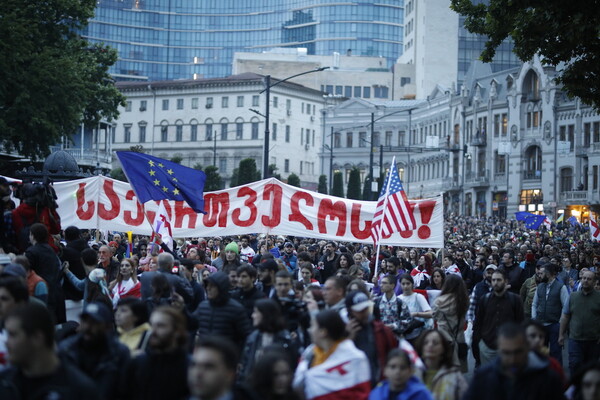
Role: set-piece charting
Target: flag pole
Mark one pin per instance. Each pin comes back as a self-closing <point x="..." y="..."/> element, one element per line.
<point x="385" y="200"/>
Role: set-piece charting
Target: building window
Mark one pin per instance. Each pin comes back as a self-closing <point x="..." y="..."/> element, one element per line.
<point x="571" y="129"/>
<point x="223" y="165"/>
<point x="224" y="131"/>
<point x="362" y="139"/>
<point x="348" y="91"/>
<point x="239" y="130"/>
<point x="329" y="89"/>
<point x="142" y="133"/>
<point x="180" y="104"/>
<point x="337" y="140"/>
<point x="274" y="132"/>
<point x="596" y="132"/>
<point x="143" y="105"/>
<point x="388" y="138"/>
<point x="497" y="125"/>
<point x="504" y="124"/>
<point x="288" y="104"/>
<point x="286" y="165"/>
<point x="127" y="134"/>
<point x="255" y="101"/>
<point x="209" y="132"/>
<point x="302" y="110"/>
<point x="240" y="101"/>
<point x="194" y="103"/>
<point x="595" y="178"/>
<point x="301" y="167"/>
<point x="376" y="139"/>
<point x="381" y="92"/>
<point x="566" y="179"/>
<point x="367" y="92"/>
<point x="165" y="105"/>
<point x="194" y="133"/>
<point x="587" y="134"/>
<point x="349" y="139"/>
<point x="209" y="102"/>
<point x="275" y="101"/>
<point x="179" y="133"/>
<point x="287" y="133"/>
<point x="224" y="102"/>
<point x="255" y="130"/>
<point x="128" y="106"/>
<point x="339" y="90"/>
<point x="164" y="132"/>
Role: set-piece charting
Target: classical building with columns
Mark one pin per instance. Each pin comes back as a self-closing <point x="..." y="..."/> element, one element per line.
<point x="212" y="122"/>
<point x="504" y="142"/>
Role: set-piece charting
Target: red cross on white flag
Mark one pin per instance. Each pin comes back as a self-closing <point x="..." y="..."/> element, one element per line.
<point x="162" y="226"/>
<point x="594" y="229"/>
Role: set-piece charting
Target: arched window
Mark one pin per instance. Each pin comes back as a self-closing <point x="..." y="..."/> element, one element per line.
<point x="164" y="131"/>
<point x="179" y="130"/>
<point x="193" y="130"/>
<point x="239" y="128"/>
<point x="533" y="163"/>
<point x="531" y="86"/>
<point x="209" y="129"/>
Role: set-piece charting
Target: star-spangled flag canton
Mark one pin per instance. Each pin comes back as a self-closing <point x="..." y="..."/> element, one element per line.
<point x="398" y="215"/>
<point x="153" y="178"/>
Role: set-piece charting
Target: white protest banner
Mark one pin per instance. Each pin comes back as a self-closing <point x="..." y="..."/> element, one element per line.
<point x="267" y="206"/>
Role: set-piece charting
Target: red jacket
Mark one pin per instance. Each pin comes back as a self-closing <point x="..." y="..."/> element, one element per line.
<point x="27" y="215"/>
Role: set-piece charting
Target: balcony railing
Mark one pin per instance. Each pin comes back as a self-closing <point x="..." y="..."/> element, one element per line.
<point x="575" y="196"/>
<point x="89" y="156"/>
<point x="449" y="184"/>
<point x="479" y="178"/>
<point x="595" y="148"/>
<point x="479" y="140"/>
<point x="532" y="175"/>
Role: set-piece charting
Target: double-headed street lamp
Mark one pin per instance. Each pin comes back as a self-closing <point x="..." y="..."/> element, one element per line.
<point x="267" y="90"/>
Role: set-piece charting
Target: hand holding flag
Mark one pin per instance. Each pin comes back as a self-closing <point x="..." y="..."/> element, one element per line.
<point x="153" y="178"/>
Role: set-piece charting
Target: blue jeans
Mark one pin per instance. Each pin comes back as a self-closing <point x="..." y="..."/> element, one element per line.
<point x="581" y="352"/>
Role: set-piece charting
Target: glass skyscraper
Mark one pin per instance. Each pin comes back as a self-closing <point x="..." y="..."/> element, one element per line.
<point x="183" y="39"/>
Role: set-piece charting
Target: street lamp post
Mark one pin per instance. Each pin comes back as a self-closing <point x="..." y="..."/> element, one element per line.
<point x="369" y="187"/>
<point x="331" y="162"/>
<point x="268" y="110"/>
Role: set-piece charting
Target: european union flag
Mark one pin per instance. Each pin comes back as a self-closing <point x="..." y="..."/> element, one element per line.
<point x="153" y="178"/>
<point x="573" y="221"/>
<point x="534" y="221"/>
<point x="522" y="215"/>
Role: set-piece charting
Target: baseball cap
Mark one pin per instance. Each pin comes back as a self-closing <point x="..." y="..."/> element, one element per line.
<point x="288" y="244"/>
<point x="312" y="248"/>
<point x="357" y="301"/>
<point x="98" y="312"/>
<point x="491" y="266"/>
<point x="15" y="270"/>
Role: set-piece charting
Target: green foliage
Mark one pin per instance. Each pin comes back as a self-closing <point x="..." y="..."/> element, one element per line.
<point x="247" y="172"/>
<point x="322" y="184"/>
<point x="366" y="195"/>
<point x="338" y="185"/>
<point x="118" y="174"/>
<point x="272" y="173"/>
<point x="198" y="166"/>
<point x="137" y="148"/>
<point x="353" y="191"/>
<point x="50" y="78"/>
<point x="177" y="159"/>
<point x="560" y="32"/>
<point x="213" y="179"/>
<point x="293" y="180"/>
<point x="235" y="178"/>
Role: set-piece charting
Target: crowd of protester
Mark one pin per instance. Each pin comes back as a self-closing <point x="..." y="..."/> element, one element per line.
<point x="85" y="314"/>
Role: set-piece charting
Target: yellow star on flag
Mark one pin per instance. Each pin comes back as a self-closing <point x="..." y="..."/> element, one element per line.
<point x="175" y="180"/>
<point x="152" y="172"/>
<point x="160" y="165"/>
<point x="165" y="189"/>
<point x="156" y="182"/>
<point x="175" y="192"/>
<point x="170" y="171"/>
<point x="151" y="163"/>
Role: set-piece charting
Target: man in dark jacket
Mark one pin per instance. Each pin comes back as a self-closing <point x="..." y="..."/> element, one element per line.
<point x="36" y="372"/>
<point x="220" y="315"/>
<point x="516" y="275"/>
<point x="107" y="263"/>
<point x="165" y="266"/>
<point x="516" y="374"/>
<point x="71" y="253"/>
<point x="368" y="334"/>
<point x="160" y="373"/>
<point x="96" y="351"/>
<point x="247" y="293"/>
<point x="46" y="264"/>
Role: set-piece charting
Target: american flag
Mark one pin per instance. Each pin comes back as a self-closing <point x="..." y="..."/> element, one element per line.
<point x="393" y="212"/>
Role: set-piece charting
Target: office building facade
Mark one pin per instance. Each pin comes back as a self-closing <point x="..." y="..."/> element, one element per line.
<point x="178" y="39"/>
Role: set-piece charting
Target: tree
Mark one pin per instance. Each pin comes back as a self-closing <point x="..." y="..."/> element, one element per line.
<point x="366" y="194"/>
<point x="560" y="32"/>
<point x="338" y="185"/>
<point x="213" y="179"/>
<point x="293" y="180"/>
<point x="177" y="159"/>
<point x="51" y="79"/>
<point x="322" y="184"/>
<point x="353" y="191"/>
<point x="235" y="178"/>
<point x="118" y="174"/>
<point x="272" y="173"/>
<point x="247" y="172"/>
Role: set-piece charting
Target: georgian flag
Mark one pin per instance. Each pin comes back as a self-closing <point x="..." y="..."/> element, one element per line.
<point x="594" y="229"/>
<point x="162" y="226"/>
<point x="344" y="375"/>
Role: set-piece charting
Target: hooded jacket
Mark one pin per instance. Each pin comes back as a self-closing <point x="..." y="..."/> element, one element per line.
<point x="536" y="381"/>
<point x="223" y="316"/>
<point x="414" y="390"/>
